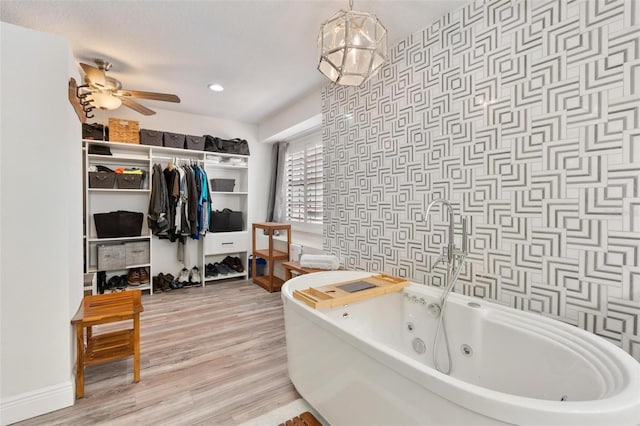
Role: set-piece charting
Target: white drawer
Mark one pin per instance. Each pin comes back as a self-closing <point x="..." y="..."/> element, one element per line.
<point x="226" y="242"/>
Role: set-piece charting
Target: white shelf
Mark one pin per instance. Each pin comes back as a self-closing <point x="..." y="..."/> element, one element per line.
<point x="118" y="190"/>
<point x="224" y="277"/>
<point x="227" y="193"/>
<point x="211" y="165"/>
<point x="95" y="268"/>
<point x="110" y="159"/>
<point x="106" y="240"/>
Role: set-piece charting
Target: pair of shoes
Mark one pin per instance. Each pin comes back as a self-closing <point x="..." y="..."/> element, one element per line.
<point x="234" y="263"/>
<point x="222" y="269"/>
<point x="162" y="282"/>
<point x="194" y="276"/>
<point x="210" y="270"/>
<point x="137" y="276"/>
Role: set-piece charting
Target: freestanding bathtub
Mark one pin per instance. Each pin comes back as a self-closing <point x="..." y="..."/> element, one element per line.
<point x="370" y="363"/>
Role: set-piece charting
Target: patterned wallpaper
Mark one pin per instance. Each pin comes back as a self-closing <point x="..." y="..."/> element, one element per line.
<point x="526" y="115"/>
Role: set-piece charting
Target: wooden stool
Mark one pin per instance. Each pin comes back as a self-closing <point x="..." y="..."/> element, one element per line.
<point x="103" y="309"/>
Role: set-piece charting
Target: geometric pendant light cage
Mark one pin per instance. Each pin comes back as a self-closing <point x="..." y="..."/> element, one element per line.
<point x="353" y="47"/>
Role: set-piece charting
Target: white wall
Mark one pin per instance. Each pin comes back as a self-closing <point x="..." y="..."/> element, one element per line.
<point x="40" y="225"/>
<point x="164" y="252"/>
<point x="294" y="118"/>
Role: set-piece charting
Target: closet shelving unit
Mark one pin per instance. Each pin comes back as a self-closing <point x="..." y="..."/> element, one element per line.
<point x="218" y="245"/>
<point x="212" y="248"/>
<point x="102" y="200"/>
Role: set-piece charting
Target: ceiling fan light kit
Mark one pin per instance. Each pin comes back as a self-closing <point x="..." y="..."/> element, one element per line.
<point x="353" y="47"/>
<point x="101" y="91"/>
<point x="105" y="100"/>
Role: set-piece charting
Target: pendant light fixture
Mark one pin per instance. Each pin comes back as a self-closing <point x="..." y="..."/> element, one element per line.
<point x="353" y="47"/>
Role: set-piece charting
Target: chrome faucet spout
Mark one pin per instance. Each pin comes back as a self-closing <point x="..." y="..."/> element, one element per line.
<point x="450" y="242"/>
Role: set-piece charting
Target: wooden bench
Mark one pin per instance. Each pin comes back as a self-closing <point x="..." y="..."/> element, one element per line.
<point x="295" y="267"/>
<point x="96" y="349"/>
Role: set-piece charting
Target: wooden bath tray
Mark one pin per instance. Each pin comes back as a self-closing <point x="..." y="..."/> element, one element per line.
<point x="342" y="293"/>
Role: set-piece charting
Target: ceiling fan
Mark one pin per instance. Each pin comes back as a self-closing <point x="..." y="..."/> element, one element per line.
<point x="106" y="92"/>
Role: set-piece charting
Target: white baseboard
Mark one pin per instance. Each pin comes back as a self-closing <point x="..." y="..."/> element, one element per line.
<point x="37" y="402"/>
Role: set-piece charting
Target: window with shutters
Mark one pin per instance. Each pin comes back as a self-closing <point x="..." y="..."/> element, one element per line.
<point x="304" y="183"/>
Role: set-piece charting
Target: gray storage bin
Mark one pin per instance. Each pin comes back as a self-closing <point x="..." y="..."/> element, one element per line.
<point x="137" y="253"/>
<point x="195" y="143"/>
<point x="129" y="181"/>
<point x="101" y="179"/>
<point x="223" y="185"/>
<point x="151" y="137"/>
<point x="173" y="140"/>
<point x="111" y="257"/>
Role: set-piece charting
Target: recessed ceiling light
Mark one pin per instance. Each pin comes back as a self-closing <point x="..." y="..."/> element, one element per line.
<point x="216" y="87"/>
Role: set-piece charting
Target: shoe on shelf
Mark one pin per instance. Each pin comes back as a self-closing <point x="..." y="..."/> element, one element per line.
<point x="113" y="282"/>
<point x="231" y="263"/>
<point x="238" y="263"/>
<point x="144" y="276"/>
<point x="194" y="275"/>
<point x="211" y="270"/>
<point x="133" y="277"/>
<point x="221" y="268"/>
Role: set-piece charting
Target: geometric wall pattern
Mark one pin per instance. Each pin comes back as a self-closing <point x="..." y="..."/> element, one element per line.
<point x="524" y="114"/>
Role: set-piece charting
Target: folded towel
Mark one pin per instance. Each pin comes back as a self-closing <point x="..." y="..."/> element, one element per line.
<point x="319" y="261"/>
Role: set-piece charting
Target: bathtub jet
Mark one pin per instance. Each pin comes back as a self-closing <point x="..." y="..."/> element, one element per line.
<point x="374" y="366"/>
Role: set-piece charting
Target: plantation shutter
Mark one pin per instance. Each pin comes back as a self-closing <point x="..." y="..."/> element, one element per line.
<point x="304" y="183"/>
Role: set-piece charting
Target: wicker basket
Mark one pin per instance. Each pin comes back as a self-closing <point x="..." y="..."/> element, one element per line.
<point x="127" y="131"/>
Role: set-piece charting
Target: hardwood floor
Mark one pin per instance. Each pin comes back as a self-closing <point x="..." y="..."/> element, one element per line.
<point x="213" y="355"/>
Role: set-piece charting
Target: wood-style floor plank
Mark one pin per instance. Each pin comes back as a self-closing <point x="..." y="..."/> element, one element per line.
<point x="213" y="355"/>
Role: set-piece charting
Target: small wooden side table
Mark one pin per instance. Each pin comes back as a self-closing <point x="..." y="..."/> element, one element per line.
<point x="269" y="282"/>
<point x="103" y="309"/>
<point x="295" y="267"/>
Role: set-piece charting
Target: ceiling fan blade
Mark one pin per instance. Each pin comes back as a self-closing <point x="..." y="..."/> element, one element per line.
<point x="149" y="95"/>
<point x="136" y="106"/>
<point x="94" y="75"/>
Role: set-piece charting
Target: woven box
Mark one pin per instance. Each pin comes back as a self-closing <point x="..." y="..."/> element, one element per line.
<point x="111" y="257"/>
<point x="128" y="181"/>
<point x="222" y="185"/>
<point x="127" y="131"/>
<point x="195" y="143"/>
<point x="151" y="137"/>
<point x="101" y="179"/>
<point x="137" y="253"/>
<point x="174" y="140"/>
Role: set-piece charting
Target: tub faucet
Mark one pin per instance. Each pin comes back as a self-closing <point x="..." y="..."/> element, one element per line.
<point x="453" y="256"/>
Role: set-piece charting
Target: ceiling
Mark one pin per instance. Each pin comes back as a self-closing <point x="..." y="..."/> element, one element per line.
<point x="263" y="51"/>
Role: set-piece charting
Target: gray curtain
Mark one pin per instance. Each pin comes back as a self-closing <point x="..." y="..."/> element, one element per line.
<point x="277" y="192"/>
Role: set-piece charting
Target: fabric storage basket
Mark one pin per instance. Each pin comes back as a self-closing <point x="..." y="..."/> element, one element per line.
<point x="111" y="257"/>
<point x="223" y="185"/>
<point x="127" y="131"/>
<point x="151" y="137"/>
<point x="173" y="140"/>
<point x="101" y="179"/>
<point x="128" y="181"/>
<point x="137" y="253"/>
<point x="195" y="142"/>
<point x="94" y="131"/>
<point x="226" y="220"/>
<point x="118" y="224"/>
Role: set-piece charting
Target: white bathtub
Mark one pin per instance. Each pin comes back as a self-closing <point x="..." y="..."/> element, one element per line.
<point x="356" y="364"/>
